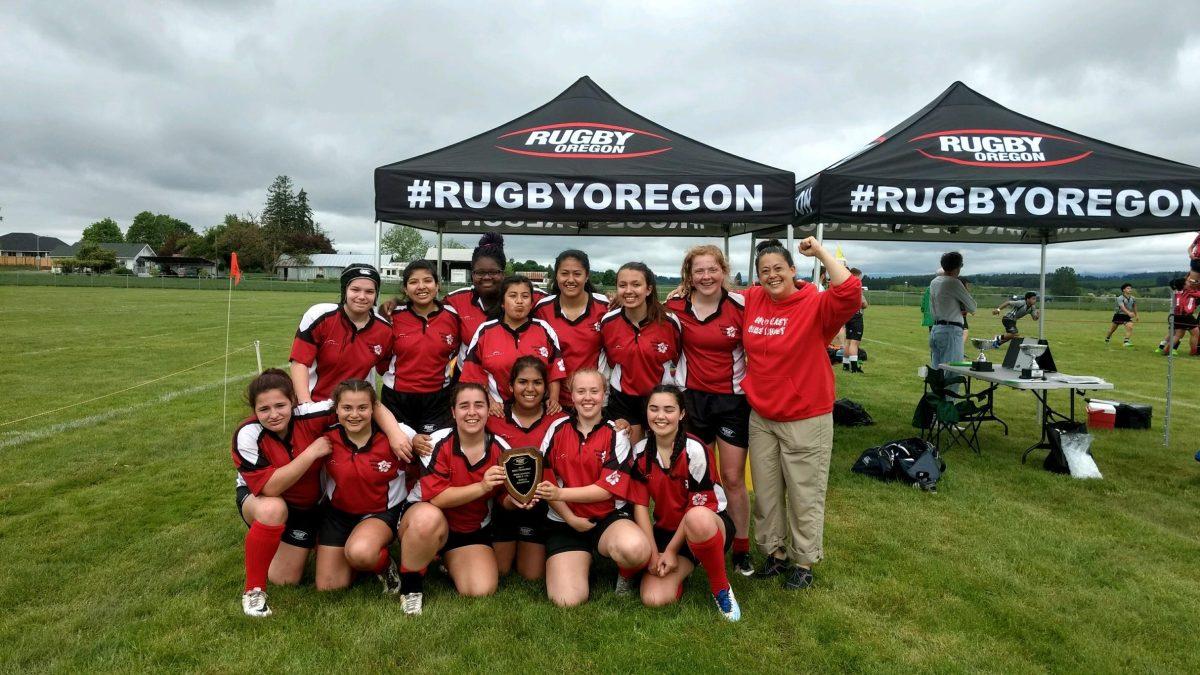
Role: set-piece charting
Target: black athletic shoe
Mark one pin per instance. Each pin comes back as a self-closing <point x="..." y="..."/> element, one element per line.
<point x="798" y="578"/>
<point x="846" y="367"/>
<point x="772" y="567"/>
<point x="742" y="564"/>
<point x="855" y="368"/>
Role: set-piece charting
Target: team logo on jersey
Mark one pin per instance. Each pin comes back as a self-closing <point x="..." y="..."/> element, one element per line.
<point x="699" y="499"/>
<point x="730" y="331"/>
<point x="383" y="466"/>
<point x="596" y="326"/>
<point x="603" y="455"/>
<point x="1006" y="148"/>
<point x="661" y="347"/>
<point x="543" y="352"/>
<point x="612" y="478"/>
<point x="591" y="140"/>
<point x="449" y="339"/>
<point x="378" y="349"/>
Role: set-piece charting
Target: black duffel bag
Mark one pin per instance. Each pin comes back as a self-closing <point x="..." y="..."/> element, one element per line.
<point x="912" y="460"/>
<point x="847" y="413"/>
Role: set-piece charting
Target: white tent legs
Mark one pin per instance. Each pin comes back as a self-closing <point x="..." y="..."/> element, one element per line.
<point x="439" y="260"/>
<point x="1042" y="294"/>
<point x="378" y="244"/>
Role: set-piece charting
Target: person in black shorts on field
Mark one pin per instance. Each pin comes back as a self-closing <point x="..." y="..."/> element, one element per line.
<point x="1125" y="315"/>
<point x="854" y="332"/>
<point x="1016" y="310"/>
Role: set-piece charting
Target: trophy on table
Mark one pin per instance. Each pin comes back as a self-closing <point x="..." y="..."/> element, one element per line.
<point x="522" y="473"/>
<point x="1030" y="369"/>
<point x="981" y="364"/>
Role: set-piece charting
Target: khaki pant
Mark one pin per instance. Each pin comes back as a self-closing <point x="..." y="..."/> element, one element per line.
<point x="790" y="464"/>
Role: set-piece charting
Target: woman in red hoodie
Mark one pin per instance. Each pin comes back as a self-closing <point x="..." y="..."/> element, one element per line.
<point x="789" y="384"/>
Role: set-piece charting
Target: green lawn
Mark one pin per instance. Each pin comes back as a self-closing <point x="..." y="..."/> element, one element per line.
<point x="121" y="549"/>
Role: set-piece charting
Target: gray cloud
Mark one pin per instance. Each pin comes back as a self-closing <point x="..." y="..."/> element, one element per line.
<point x="192" y="108"/>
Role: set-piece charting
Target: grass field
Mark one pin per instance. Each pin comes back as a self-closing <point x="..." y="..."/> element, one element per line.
<point x="121" y="549"/>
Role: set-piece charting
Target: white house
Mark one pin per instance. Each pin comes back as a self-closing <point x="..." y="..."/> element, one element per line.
<point x="319" y="266"/>
<point x="131" y="256"/>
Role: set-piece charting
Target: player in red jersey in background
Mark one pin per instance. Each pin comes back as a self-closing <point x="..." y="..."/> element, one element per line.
<point x="574" y="310"/>
<point x="343" y="341"/>
<point x="711" y="369"/>
<point x="641" y="342"/>
<point x="676" y="472"/>
<point x="587" y="482"/>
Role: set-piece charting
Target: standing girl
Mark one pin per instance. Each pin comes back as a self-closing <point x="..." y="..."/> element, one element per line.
<point x="711" y="369"/>
<point x="1125" y="315"/>
<point x="521" y="534"/>
<point x="641" y="342"/>
<point x="343" y="341"/>
<point x="365" y="488"/>
<point x="789" y="385"/>
<point x="425" y="340"/>
<point x="587" y="482"/>
<point x="574" y="310"/>
<point x="498" y="343"/>
<point x="676" y="472"/>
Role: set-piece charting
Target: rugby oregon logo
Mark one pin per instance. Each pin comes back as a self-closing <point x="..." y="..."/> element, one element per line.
<point x="590" y="140"/>
<point x="1002" y="148"/>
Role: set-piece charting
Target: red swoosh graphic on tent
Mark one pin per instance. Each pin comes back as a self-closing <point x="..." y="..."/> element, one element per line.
<point x="1007" y="165"/>
<point x="596" y="125"/>
<point x="1010" y="132"/>
<point x="581" y="154"/>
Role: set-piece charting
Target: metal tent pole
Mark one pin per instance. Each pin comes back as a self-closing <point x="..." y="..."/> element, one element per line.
<point x="445" y="277"/>
<point x="378" y="244"/>
<point x="1042" y="291"/>
<point x="1170" y="372"/>
<point x="750" y="279"/>
<point x="821" y="239"/>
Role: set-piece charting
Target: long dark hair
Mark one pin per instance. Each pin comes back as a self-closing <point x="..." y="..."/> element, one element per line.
<point x="416" y="266"/>
<point x="497" y="312"/>
<point x="534" y="362"/>
<point x="654" y="307"/>
<point x="271" y="378"/>
<point x="771" y="246"/>
<point x="582" y="258"/>
<point x="347" y="386"/>
<point x="680" y="433"/>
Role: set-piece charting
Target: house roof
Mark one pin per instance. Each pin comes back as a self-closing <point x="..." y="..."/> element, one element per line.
<point x="328" y="260"/>
<point x="29" y="241"/>
<point x="450" y="254"/>
<point x="124" y="251"/>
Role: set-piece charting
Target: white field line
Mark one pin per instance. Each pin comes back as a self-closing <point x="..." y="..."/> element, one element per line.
<point x="90" y="420"/>
<point x="892" y="344"/>
<point x="41" y="351"/>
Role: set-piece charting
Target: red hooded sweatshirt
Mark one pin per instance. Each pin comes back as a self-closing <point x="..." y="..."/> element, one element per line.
<point x="788" y="376"/>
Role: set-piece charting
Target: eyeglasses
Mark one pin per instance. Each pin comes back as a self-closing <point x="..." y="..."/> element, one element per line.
<point x="487" y="273"/>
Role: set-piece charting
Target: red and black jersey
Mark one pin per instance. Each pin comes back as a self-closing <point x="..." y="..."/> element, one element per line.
<point x="364" y="480"/>
<point x="471" y="311"/>
<point x="689" y="480"/>
<point x="642" y="356"/>
<point x="447" y="466"/>
<point x="496" y="347"/>
<point x="258" y="452"/>
<point x="713" y="360"/>
<point x="335" y="350"/>
<point x="424" y="347"/>
<point x="518" y="436"/>
<point x="599" y="458"/>
<point x="1185" y="301"/>
<point x="579" y="337"/>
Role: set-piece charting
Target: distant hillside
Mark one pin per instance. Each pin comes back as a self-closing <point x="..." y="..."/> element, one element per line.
<point x="1088" y="283"/>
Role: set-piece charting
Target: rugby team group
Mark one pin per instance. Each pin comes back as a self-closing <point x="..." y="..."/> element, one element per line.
<point x="643" y="413"/>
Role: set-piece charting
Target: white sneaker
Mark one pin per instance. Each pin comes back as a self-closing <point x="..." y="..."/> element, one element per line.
<point x="728" y="605"/>
<point x="411" y="603"/>
<point x="390" y="579"/>
<point x="624" y="586"/>
<point x="254" y="603"/>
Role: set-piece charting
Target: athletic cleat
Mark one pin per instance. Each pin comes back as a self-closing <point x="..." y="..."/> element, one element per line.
<point x="846" y="367"/>
<point x="855" y="368"/>
<point x="1128" y="344"/>
<point x="624" y="585"/>
<point x="799" y="578"/>
<point x="411" y="603"/>
<point x="254" y="603"/>
<point x="772" y="567"/>
<point x="728" y="604"/>
<point x="1159" y="350"/>
<point x="390" y="578"/>
<point x="743" y="564"/>
<point x="1108" y="340"/>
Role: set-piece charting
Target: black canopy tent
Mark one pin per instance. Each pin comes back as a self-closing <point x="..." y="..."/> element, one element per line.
<point x="583" y="164"/>
<point x="966" y="169"/>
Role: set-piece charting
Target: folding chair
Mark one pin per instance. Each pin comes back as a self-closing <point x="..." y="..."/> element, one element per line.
<point x="943" y="412"/>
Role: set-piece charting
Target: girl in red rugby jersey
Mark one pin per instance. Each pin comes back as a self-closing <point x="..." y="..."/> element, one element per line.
<point x="641" y="342"/>
<point x="279" y="453"/>
<point x="365" y="488"/>
<point x="460" y="483"/>
<point x="587" y="481"/>
<point x="574" y="310"/>
<point x="711" y="370"/>
<point x="521" y="535"/>
<point x="499" y="342"/>
<point x="676" y="472"/>
<point x="425" y="341"/>
<point x="343" y="341"/>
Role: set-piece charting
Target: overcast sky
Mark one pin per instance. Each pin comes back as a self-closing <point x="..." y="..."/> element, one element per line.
<point x="192" y="109"/>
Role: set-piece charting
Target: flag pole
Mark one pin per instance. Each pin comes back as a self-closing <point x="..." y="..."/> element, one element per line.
<point x="225" y="379"/>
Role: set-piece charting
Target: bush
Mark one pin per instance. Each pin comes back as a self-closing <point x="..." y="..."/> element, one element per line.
<point x="121" y="270"/>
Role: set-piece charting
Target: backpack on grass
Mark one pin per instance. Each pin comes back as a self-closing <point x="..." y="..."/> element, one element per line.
<point x="847" y="413"/>
<point x="912" y="460"/>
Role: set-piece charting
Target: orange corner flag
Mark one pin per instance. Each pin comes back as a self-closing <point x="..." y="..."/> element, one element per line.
<point x="235" y="272"/>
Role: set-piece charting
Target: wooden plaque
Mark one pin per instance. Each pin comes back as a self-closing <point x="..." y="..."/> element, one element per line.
<point x="522" y="472"/>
